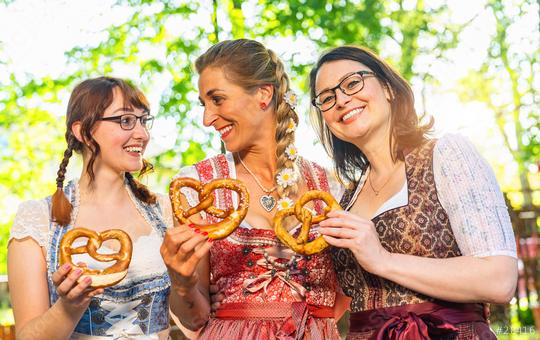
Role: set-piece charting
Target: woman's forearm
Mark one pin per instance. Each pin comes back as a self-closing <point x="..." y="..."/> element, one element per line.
<point x="191" y="307"/>
<point x="58" y="322"/>
<point x="459" y="279"/>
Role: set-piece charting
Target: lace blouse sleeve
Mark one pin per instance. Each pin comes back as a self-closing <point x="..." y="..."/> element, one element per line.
<point x="166" y="209"/>
<point x="31" y="220"/>
<point x="468" y="191"/>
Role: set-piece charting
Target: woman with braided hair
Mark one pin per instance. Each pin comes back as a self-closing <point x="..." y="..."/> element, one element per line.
<point x="268" y="291"/>
<point x="108" y="122"/>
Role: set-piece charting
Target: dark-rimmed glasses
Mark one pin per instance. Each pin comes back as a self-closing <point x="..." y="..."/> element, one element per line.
<point x="128" y="121"/>
<point x="350" y="85"/>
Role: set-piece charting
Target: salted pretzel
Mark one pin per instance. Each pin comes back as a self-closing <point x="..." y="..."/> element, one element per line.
<point x="100" y="277"/>
<point x="300" y="244"/>
<point x="230" y="218"/>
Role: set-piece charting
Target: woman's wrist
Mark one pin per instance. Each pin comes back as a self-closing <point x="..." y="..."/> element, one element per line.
<point x="184" y="290"/>
<point x="70" y="310"/>
<point x="385" y="266"/>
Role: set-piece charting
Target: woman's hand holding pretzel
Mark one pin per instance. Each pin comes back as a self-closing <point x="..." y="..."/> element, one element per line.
<point x="182" y="250"/>
<point x="347" y="230"/>
<point x="73" y="295"/>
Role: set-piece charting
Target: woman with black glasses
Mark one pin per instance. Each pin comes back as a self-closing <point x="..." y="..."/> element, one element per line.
<point x="108" y="122"/>
<point x="425" y="239"/>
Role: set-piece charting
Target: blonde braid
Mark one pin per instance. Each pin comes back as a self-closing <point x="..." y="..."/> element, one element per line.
<point x="284" y="113"/>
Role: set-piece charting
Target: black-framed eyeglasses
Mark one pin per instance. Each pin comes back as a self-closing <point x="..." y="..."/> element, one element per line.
<point x="350" y="85"/>
<point x="128" y="121"/>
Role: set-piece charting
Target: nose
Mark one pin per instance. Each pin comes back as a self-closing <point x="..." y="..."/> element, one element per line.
<point x="140" y="131"/>
<point x="209" y="117"/>
<point x="342" y="99"/>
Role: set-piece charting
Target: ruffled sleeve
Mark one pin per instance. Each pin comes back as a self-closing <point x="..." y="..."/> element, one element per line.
<point x="31" y="220"/>
<point x="468" y="191"/>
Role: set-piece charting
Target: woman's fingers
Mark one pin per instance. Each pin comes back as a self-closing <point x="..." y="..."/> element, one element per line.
<point x="67" y="284"/>
<point x="190" y="244"/>
<point x="345" y="222"/>
<point x="173" y="239"/>
<point x="347" y="216"/>
<point x="215" y="306"/>
<point x="191" y="262"/>
<point x="338" y="232"/>
<point x="59" y="275"/>
<point x="79" y="289"/>
<point x="95" y="292"/>
<point x="338" y="242"/>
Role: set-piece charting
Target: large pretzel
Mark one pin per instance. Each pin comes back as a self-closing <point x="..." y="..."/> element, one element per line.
<point x="100" y="277"/>
<point x="231" y="218"/>
<point x="300" y="244"/>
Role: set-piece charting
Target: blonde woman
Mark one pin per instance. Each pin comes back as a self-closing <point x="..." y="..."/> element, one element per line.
<point x="268" y="291"/>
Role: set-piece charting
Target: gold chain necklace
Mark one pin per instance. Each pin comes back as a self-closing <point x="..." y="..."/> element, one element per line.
<point x="268" y="202"/>
<point x="376" y="192"/>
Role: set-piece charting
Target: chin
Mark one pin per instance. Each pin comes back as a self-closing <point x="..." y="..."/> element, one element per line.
<point x="232" y="147"/>
<point x="134" y="167"/>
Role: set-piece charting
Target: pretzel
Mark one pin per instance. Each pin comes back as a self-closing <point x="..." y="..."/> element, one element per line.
<point x="231" y="218"/>
<point x="300" y="244"/>
<point x="100" y="277"/>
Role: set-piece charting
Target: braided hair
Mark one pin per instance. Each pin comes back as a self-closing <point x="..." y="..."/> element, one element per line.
<point x="250" y="65"/>
<point x="86" y="105"/>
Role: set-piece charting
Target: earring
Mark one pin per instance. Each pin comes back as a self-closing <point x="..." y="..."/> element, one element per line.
<point x="263" y="106"/>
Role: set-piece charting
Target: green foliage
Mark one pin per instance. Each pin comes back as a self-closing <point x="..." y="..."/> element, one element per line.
<point x="160" y="41"/>
<point x="506" y="84"/>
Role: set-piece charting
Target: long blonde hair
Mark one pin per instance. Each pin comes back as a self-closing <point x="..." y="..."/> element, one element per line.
<point x="249" y="64"/>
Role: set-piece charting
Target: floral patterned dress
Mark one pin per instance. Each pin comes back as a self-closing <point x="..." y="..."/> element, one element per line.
<point x="270" y="292"/>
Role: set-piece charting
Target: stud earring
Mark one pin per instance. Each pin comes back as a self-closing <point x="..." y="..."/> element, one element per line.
<point x="263" y="106"/>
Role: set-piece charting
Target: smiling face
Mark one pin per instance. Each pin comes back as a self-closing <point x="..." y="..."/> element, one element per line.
<point x="120" y="150"/>
<point x="235" y="113"/>
<point x="359" y="117"/>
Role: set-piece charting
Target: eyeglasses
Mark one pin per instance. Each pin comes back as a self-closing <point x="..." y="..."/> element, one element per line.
<point x="128" y="121"/>
<point x="350" y="85"/>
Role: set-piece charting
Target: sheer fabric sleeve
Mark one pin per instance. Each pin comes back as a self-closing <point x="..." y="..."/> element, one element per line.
<point x="468" y="191"/>
<point x="31" y="220"/>
<point x="166" y="210"/>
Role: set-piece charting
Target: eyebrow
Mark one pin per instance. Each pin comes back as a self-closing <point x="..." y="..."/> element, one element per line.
<point x="130" y="109"/>
<point x="209" y="93"/>
<point x="212" y="91"/>
<point x="126" y="109"/>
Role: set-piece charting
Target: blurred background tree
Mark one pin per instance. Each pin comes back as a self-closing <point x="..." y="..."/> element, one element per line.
<point x="157" y="42"/>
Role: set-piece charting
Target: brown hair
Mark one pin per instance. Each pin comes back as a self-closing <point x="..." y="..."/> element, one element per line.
<point x="405" y="129"/>
<point x="86" y="105"/>
<point x="250" y="65"/>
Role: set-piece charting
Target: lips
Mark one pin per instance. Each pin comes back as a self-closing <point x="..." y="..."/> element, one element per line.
<point x="224" y="131"/>
<point x="135" y="149"/>
<point x="352" y="114"/>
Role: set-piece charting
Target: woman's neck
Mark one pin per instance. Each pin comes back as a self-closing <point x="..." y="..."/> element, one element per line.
<point x="379" y="153"/>
<point x="107" y="187"/>
<point x="260" y="160"/>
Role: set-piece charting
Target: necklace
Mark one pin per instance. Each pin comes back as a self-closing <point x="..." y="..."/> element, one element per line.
<point x="268" y="202"/>
<point x="382" y="187"/>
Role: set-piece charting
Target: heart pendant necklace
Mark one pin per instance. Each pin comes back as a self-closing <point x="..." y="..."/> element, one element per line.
<point x="268" y="202"/>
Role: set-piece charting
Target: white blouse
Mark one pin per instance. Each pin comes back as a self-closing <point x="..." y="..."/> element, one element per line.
<point x="468" y="191"/>
<point x="32" y="220"/>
